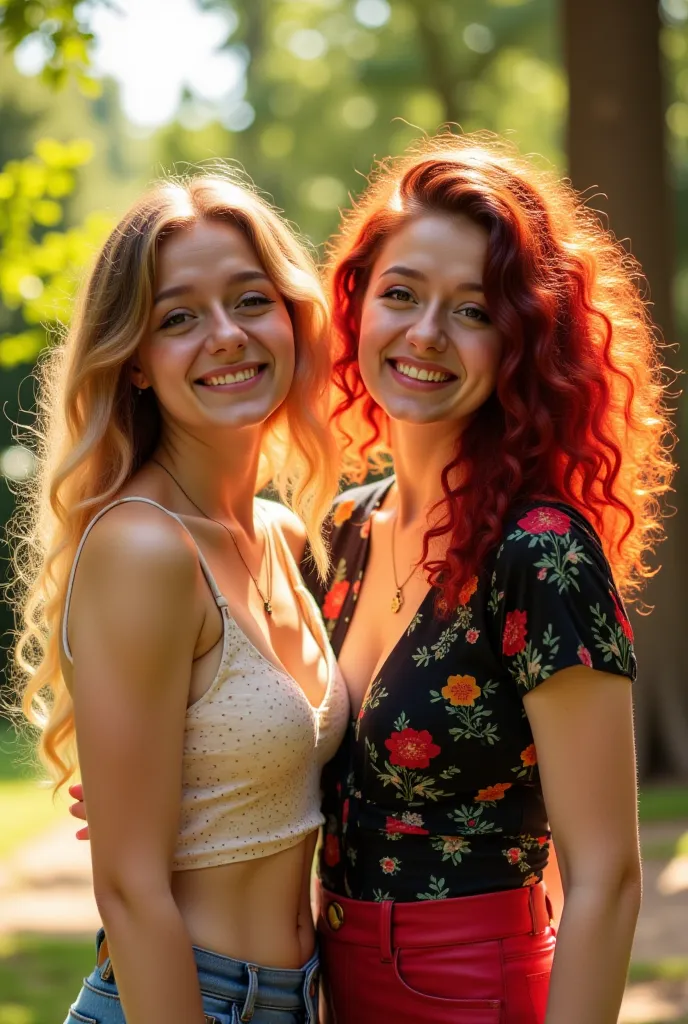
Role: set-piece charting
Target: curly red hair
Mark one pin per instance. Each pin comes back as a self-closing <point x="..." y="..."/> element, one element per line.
<point x="578" y="413"/>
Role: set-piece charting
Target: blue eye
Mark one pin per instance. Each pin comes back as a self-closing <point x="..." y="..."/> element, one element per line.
<point x="398" y="294"/>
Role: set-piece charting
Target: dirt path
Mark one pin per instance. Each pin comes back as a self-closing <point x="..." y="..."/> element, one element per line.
<point x="46" y="887"/>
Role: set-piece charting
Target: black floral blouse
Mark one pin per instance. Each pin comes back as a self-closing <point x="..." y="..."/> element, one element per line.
<point x="435" y="790"/>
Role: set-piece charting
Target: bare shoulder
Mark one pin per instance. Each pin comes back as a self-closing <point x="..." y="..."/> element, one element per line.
<point x="137" y="541"/>
<point x="288" y="522"/>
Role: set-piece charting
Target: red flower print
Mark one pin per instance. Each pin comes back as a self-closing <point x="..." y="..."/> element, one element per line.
<point x="495" y="792"/>
<point x="334" y="599"/>
<point x="468" y="590"/>
<point x="343" y="511"/>
<point x="545" y="520"/>
<point x="409" y="824"/>
<point x="542" y="575"/>
<point x="412" y="749"/>
<point x="331" y="851"/>
<point x="514" y="639"/>
<point x="584" y="656"/>
<point x="621" y="619"/>
<point x="365" y="530"/>
<point x="472" y="635"/>
<point x="356" y="587"/>
<point x="543" y="840"/>
<point x="514" y="854"/>
<point x="390" y="865"/>
<point x="529" y="756"/>
<point x="345" y="811"/>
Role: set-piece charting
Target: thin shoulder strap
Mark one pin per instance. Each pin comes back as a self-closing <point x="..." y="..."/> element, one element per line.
<point x="220" y="600"/>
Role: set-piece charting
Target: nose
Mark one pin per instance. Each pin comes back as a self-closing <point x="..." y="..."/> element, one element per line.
<point x="427" y="331"/>
<point x="225" y="334"/>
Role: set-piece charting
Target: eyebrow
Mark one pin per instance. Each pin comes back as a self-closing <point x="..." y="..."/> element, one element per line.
<point x="466" y="286"/>
<point x="181" y="289"/>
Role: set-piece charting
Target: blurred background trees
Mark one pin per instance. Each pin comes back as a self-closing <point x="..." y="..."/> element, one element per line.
<point x="98" y="97"/>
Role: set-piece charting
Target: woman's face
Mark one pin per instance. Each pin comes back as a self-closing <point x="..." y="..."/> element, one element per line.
<point x="428" y="351"/>
<point x="219" y="349"/>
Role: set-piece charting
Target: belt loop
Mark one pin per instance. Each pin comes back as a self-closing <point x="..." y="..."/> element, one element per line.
<point x="250" y="1004"/>
<point x="386" y="953"/>
<point x="533" y="911"/>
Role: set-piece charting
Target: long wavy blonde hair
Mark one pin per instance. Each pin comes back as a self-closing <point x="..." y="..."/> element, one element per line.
<point x="93" y="434"/>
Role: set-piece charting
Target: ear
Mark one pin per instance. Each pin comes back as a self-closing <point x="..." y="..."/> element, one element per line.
<point x="138" y="377"/>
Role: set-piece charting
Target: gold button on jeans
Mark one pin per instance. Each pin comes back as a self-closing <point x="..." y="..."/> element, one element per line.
<point x="335" y="916"/>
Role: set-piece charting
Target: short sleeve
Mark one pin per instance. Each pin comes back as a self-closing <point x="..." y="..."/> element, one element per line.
<point x="553" y="602"/>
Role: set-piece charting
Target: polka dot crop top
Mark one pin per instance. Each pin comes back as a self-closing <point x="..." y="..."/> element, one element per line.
<point x="254" y="745"/>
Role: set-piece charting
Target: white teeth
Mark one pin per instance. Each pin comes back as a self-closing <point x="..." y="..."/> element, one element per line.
<point x="234" y="378"/>
<point x="435" y="376"/>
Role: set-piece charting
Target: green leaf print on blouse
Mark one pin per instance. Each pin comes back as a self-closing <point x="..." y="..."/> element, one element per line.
<point x="438" y="890"/>
<point x="461" y="694"/>
<point x="453" y="848"/>
<point x="471" y="820"/>
<point x="549" y="528"/>
<point x="376" y="693"/>
<point x="613" y="639"/>
<point x="527" y="668"/>
<point x="448" y="637"/>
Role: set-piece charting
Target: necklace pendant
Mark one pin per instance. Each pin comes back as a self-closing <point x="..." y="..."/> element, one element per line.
<point x="397" y="602"/>
<point x="268" y="607"/>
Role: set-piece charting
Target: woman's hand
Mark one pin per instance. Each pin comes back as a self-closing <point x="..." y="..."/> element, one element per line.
<point x="78" y="810"/>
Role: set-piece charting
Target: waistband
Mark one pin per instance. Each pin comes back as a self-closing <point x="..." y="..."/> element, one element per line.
<point x="223" y="976"/>
<point x="465" y="919"/>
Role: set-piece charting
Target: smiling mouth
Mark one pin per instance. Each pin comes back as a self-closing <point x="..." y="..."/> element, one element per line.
<point x="421" y="374"/>
<point x="239" y="377"/>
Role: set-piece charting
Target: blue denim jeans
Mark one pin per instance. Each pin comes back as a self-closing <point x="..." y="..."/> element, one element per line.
<point x="233" y="992"/>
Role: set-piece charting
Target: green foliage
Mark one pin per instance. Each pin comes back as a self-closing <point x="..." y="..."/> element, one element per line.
<point x="331" y="85"/>
<point x="40" y="976"/>
<point x="39" y="263"/>
<point x="60" y="30"/>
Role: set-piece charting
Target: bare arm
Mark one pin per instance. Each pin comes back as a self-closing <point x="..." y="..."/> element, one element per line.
<point x="582" y="723"/>
<point x="133" y="627"/>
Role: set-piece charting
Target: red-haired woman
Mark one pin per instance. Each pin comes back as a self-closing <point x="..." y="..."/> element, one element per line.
<point x="492" y="340"/>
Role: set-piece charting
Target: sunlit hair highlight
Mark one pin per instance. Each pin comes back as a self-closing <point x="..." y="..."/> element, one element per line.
<point x="94" y="433"/>
<point x="578" y="413"/>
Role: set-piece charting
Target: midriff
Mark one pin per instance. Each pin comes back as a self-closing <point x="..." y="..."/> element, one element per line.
<point x="255" y="910"/>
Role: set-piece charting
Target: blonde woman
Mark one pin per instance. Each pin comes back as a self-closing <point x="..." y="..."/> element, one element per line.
<point x="166" y="625"/>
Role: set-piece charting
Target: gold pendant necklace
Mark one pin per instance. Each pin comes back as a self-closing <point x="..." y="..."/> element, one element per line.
<point x="398" y="599"/>
<point x="266" y="599"/>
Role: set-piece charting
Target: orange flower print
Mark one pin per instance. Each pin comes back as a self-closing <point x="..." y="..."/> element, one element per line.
<point x="531" y="879"/>
<point x="468" y="590"/>
<point x="461" y="691"/>
<point x="529" y="756"/>
<point x="356" y="587"/>
<point x="495" y="792"/>
<point x="365" y="530"/>
<point x="343" y="511"/>
<point x="334" y="599"/>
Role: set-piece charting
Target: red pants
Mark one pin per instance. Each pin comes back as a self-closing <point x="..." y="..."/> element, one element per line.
<point x="473" y="960"/>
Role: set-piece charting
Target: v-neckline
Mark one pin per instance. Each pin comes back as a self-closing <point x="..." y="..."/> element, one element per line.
<point x="384" y="658"/>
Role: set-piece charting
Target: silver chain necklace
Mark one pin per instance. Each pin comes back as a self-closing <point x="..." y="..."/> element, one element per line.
<point x="267" y="600"/>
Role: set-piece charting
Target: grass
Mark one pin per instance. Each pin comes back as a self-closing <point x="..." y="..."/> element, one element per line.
<point x="663" y="803"/>
<point x="41" y="977"/>
<point x="26" y="806"/>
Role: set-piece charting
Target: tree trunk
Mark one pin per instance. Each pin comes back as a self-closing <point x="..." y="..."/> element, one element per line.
<point x="616" y="147"/>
